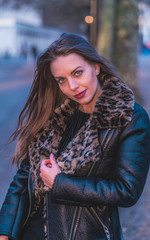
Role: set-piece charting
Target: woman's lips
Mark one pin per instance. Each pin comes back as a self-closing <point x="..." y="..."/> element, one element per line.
<point x="80" y="95"/>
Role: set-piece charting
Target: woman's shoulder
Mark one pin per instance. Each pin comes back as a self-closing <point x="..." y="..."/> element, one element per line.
<point x="140" y="119"/>
<point x="138" y="129"/>
<point x="139" y="110"/>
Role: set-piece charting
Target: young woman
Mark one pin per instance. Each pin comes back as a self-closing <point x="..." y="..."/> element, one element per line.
<point x="83" y="149"/>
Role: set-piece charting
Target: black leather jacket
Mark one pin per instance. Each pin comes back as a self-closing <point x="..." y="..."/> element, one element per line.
<point x="86" y="207"/>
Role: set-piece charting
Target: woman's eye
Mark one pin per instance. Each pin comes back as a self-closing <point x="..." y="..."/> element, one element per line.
<point x="78" y="73"/>
<point x="61" y="81"/>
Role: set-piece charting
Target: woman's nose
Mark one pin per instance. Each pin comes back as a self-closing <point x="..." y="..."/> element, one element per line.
<point x="73" y="85"/>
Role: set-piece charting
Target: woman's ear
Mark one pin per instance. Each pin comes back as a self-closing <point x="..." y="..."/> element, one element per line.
<point x="97" y="69"/>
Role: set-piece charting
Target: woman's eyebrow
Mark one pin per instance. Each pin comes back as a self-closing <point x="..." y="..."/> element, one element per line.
<point x="57" y="78"/>
<point x="75" y="69"/>
<point x="71" y="72"/>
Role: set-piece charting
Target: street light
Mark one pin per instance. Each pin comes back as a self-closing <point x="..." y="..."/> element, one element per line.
<point x="89" y="19"/>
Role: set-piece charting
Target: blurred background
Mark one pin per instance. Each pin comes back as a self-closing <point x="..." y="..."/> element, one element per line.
<point x="119" y="30"/>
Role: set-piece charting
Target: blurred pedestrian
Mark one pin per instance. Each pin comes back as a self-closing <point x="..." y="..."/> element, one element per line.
<point x="83" y="149"/>
<point x="24" y="50"/>
<point x="34" y="52"/>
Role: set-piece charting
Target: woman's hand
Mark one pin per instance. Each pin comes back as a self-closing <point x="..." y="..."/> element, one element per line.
<point x="49" y="170"/>
<point x="3" y="237"/>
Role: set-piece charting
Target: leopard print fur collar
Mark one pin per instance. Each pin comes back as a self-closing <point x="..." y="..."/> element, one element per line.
<point x="113" y="109"/>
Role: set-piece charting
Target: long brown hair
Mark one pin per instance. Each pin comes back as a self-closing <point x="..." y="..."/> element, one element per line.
<point x="45" y="94"/>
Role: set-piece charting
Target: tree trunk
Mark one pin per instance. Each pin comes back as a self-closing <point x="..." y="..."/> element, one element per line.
<point x="104" y="43"/>
<point x="125" y="38"/>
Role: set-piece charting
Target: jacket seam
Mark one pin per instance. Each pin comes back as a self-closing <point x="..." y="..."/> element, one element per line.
<point x="11" y="235"/>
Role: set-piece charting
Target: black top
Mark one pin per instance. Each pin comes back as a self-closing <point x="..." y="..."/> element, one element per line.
<point x="74" y="124"/>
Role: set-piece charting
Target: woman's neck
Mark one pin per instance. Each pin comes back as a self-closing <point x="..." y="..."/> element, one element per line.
<point x="89" y="108"/>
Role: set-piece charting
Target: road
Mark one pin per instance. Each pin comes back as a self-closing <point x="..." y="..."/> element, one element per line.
<point x="15" y="82"/>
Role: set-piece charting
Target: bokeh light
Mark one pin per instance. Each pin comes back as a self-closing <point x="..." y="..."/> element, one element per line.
<point x="89" y="19"/>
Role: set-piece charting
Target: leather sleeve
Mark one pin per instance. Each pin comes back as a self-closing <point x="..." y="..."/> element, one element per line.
<point x="13" y="210"/>
<point x="126" y="185"/>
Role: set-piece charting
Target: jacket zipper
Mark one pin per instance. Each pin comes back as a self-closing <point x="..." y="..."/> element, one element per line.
<point x="30" y="200"/>
<point x="75" y="222"/>
<point x="78" y="210"/>
<point x="46" y="199"/>
<point x="105" y="142"/>
<point x="106" y="230"/>
<point x="106" y="139"/>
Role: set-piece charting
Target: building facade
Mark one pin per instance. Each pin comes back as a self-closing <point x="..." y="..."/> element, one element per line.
<point x="22" y="39"/>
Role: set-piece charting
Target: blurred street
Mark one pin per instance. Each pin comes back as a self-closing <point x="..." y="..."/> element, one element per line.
<point x="15" y="81"/>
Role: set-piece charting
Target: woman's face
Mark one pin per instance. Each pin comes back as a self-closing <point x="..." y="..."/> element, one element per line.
<point x="77" y="79"/>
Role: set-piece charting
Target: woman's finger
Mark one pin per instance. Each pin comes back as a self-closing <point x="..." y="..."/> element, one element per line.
<point x="52" y="159"/>
<point x="45" y="162"/>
